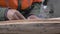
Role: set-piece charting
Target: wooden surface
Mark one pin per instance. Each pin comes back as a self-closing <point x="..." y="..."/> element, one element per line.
<point x="41" y="26"/>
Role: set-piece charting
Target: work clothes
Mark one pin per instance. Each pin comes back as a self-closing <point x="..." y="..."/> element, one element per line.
<point x="14" y="3"/>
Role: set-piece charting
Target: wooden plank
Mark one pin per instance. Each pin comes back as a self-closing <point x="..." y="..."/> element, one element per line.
<point x="52" y="20"/>
<point x="30" y="28"/>
<point x="41" y="26"/>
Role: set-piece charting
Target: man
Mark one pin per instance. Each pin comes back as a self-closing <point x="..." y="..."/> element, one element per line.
<point x="8" y="9"/>
<point x="54" y="8"/>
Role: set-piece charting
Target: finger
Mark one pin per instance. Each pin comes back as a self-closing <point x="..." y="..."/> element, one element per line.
<point x="33" y="17"/>
<point x="15" y="17"/>
<point x="20" y="15"/>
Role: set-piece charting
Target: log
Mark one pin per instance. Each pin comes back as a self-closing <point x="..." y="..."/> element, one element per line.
<point x="41" y="26"/>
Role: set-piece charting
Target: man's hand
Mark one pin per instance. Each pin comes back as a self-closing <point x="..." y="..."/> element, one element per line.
<point x="33" y="17"/>
<point x="14" y="15"/>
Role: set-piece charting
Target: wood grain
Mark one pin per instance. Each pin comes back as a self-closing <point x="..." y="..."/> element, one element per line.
<point x="40" y="26"/>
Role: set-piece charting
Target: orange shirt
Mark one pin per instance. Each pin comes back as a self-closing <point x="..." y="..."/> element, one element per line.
<point x="27" y="3"/>
<point x="14" y="3"/>
<point x="37" y="0"/>
<point x="10" y="3"/>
